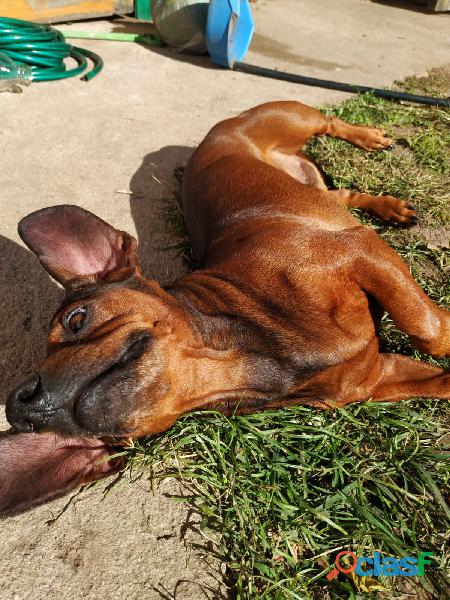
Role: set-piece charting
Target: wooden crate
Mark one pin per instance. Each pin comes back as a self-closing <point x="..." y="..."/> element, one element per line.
<point x="52" y="11"/>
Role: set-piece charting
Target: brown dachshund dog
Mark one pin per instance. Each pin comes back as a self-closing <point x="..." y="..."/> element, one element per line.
<point x="284" y="311"/>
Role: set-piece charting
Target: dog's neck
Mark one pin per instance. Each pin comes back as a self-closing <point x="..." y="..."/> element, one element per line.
<point x="233" y="364"/>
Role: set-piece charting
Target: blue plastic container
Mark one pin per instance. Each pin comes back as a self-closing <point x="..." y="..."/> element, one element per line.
<point x="229" y="31"/>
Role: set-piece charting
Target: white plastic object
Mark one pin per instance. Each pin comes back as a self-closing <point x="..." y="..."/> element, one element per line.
<point x="13" y="75"/>
<point x="181" y="24"/>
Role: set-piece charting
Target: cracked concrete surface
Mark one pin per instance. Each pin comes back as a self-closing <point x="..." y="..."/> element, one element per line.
<point x="126" y="131"/>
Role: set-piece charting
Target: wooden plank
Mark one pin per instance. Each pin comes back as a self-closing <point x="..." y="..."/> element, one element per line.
<point x="124" y="7"/>
<point x="62" y="10"/>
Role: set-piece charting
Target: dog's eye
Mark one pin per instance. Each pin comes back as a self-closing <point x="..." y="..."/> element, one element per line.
<point x="75" y="319"/>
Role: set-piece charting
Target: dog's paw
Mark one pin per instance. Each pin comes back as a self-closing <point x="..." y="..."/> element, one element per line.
<point x="396" y="212"/>
<point x="373" y="138"/>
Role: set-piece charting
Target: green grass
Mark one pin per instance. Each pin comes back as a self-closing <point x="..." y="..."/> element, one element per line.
<point x="285" y="490"/>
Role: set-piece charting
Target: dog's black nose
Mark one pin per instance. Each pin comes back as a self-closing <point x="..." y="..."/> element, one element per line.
<point x="27" y="389"/>
<point x="24" y="407"/>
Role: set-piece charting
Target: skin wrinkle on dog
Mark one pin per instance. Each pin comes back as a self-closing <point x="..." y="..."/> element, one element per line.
<point x="285" y="309"/>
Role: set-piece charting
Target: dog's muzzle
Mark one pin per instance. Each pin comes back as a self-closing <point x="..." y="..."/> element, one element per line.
<point x="29" y="406"/>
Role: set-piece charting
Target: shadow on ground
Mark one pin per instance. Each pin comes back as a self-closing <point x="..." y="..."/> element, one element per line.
<point x="28" y="299"/>
<point x="155" y="181"/>
<point x="419" y="6"/>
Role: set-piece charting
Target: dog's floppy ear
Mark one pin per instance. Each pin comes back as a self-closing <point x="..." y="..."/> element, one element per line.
<point x="75" y="246"/>
<point x="36" y="468"/>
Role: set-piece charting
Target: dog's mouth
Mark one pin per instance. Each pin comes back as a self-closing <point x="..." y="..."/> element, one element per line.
<point x="101" y="406"/>
<point x="104" y="445"/>
<point x="130" y="355"/>
<point x="94" y="408"/>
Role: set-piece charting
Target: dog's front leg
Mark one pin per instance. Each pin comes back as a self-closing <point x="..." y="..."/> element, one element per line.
<point x="381" y="272"/>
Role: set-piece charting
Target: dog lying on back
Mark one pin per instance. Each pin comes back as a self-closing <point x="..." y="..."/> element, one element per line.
<point x="284" y="311"/>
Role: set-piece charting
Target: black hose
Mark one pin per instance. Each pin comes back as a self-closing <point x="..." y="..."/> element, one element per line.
<point x="335" y="85"/>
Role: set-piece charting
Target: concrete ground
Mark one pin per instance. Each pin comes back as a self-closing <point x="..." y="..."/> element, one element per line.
<point x="92" y="144"/>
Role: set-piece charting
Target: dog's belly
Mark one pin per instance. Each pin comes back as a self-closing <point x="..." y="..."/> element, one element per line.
<point x="282" y="242"/>
<point x="304" y="244"/>
<point x="298" y="167"/>
<point x="245" y="190"/>
<point x="271" y="215"/>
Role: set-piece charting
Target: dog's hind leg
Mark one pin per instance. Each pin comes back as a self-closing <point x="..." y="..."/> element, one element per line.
<point x="365" y="137"/>
<point x="381" y="272"/>
<point x="276" y="132"/>
<point x="289" y="125"/>
<point x="387" y="208"/>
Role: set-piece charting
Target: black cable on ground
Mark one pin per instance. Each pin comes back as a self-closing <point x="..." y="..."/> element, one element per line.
<point x="342" y="87"/>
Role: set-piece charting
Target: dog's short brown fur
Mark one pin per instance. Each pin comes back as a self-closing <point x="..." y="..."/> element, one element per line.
<point x="284" y="311"/>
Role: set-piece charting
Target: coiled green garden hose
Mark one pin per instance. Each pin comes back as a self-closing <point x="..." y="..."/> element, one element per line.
<point x="44" y="50"/>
